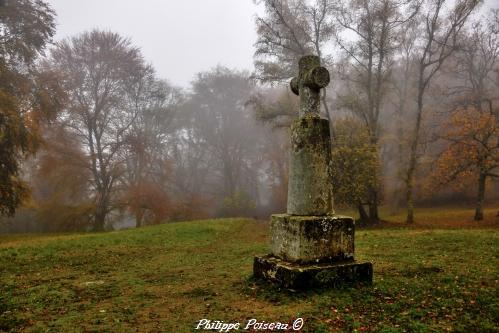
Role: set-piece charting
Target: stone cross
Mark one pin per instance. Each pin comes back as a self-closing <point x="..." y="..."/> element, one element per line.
<point x="309" y="186"/>
<point x="310" y="246"/>
<point x="311" y="78"/>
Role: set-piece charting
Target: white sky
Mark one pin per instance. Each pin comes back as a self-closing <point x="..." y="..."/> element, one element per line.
<point x="178" y="37"/>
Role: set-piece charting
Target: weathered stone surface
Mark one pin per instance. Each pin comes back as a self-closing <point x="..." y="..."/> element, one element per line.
<point x="312" y="239"/>
<point x="309" y="246"/>
<point x="309" y="187"/>
<point x="311" y="78"/>
<point x="296" y="276"/>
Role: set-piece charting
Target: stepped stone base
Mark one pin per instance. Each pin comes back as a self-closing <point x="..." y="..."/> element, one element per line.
<point x="299" y="276"/>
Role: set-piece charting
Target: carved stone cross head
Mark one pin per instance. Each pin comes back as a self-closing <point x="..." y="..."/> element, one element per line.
<point x="311" y="78"/>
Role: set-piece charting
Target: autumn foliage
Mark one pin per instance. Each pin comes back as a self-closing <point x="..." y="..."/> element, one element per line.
<point x="355" y="165"/>
<point x="25" y="28"/>
<point x="472" y="154"/>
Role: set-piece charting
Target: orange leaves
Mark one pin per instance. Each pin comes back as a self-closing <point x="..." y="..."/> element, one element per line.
<point x="59" y="182"/>
<point x="471" y="126"/>
<point x="149" y="201"/>
<point x="49" y="95"/>
<point x="473" y="148"/>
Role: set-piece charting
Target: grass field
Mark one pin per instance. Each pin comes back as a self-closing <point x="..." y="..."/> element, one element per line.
<point x="166" y="278"/>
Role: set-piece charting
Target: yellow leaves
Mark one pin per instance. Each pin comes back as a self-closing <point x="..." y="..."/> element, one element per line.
<point x="355" y="162"/>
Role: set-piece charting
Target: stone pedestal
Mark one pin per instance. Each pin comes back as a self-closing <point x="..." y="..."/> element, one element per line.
<point x="312" y="251"/>
<point x="312" y="239"/>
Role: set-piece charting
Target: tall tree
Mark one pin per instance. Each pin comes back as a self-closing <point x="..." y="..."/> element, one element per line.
<point x="289" y="30"/>
<point x="438" y="40"/>
<point x="148" y="150"/>
<point x="355" y="165"/>
<point x="59" y="181"/>
<point x="473" y="64"/>
<point x="99" y="67"/>
<point x="473" y="131"/>
<point x="374" y="26"/>
<point x="473" y="152"/>
<point x="275" y="109"/>
<point x="26" y="26"/>
<point x="402" y="100"/>
<point x="225" y="129"/>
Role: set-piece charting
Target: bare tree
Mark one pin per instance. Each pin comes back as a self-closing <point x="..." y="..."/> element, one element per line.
<point x="99" y="68"/>
<point x="222" y="126"/>
<point x="275" y="109"/>
<point x="291" y="29"/>
<point x="149" y="143"/>
<point x="474" y="63"/>
<point x="374" y="25"/>
<point x="438" y="40"/>
<point x="401" y="97"/>
<point x="473" y="70"/>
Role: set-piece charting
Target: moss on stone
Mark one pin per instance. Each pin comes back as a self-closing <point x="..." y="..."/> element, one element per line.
<point x="311" y="78"/>
<point x="312" y="239"/>
<point x="309" y="188"/>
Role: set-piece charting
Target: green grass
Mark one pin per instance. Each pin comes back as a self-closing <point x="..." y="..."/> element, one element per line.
<point x="166" y="278"/>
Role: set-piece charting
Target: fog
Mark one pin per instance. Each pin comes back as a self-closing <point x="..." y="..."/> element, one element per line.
<point x="180" y="38"/>
<point x="165" y="111"/>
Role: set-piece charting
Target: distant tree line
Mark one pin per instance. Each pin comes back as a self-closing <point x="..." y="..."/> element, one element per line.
<point x="91" y="138"/>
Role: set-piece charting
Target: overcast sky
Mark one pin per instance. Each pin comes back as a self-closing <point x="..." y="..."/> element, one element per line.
<point x="179" y="37"/>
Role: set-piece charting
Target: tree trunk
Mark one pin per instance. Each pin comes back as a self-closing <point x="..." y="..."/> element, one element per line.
<point x="328" y="115"/>
<point x="100" y="219"/>
<point x="373" y="190"/>
<point x="409" y="183"/>
<point x="410" y="202"/>
<point x="399" y="187"/>
<point x="364" y="218"/>
<point x="480" y="197"/>
<point x="411" y="169"/>
<point x="138" y="218"/>
<point x="101" y="213"/>
<point x="373" y="206"/>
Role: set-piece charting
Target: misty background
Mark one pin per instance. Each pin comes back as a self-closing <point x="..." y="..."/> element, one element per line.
<point x="176" y="110"/>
